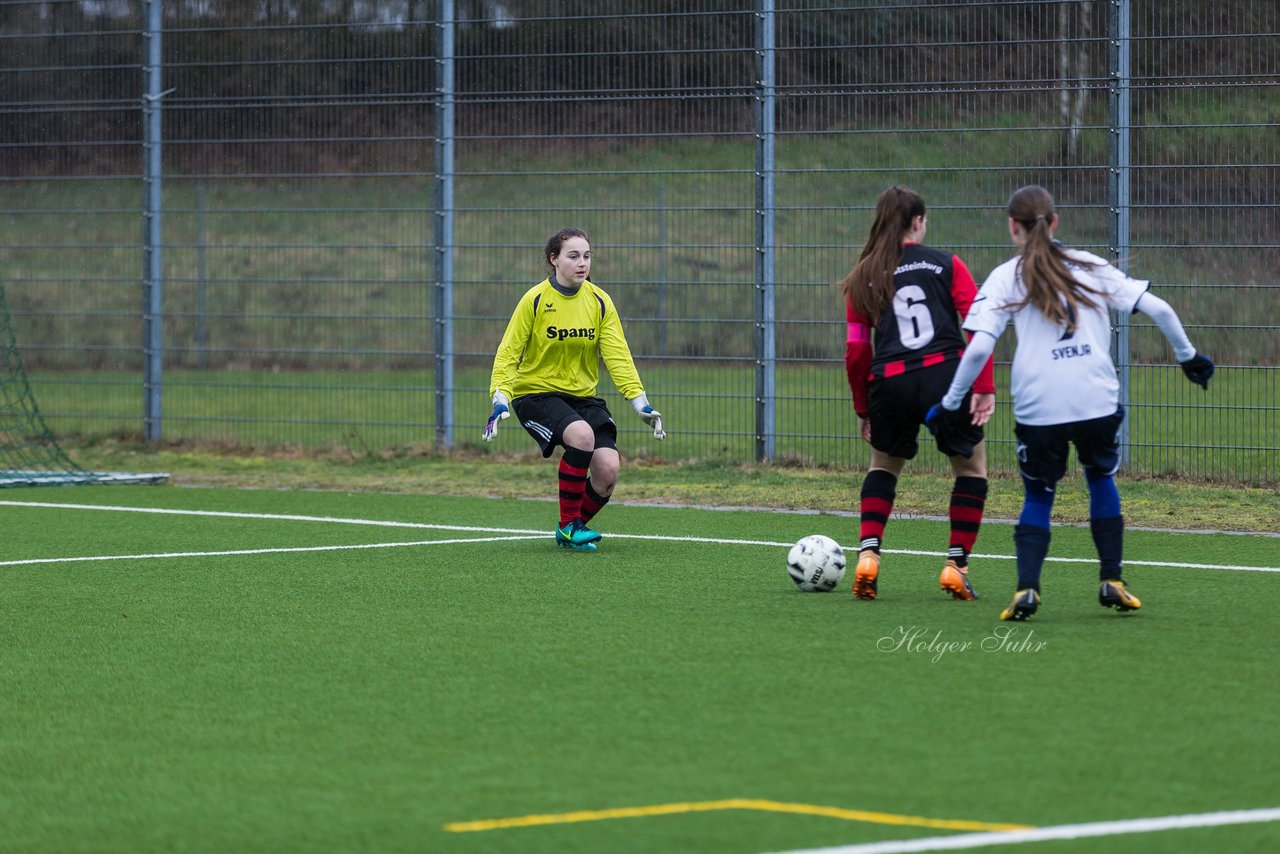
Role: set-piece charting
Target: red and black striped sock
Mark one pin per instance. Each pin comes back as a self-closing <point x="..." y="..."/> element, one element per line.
<point x="573" y="481"/>
<point x="968" y="498"/>
<point x="878" y="491"/>
<point x="592" y="502"/>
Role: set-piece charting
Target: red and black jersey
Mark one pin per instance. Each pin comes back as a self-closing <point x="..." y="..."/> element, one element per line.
<point x="933" y="292"/>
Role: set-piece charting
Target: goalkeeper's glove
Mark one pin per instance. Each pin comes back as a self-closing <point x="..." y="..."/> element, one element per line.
<point x="501" y="410"/>
<point x="1198" y="369"/>
<point x="649" y="415"/>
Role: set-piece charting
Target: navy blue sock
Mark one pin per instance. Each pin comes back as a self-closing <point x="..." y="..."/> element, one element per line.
<point x="1031" y="534"/>
<point x="1105" y="522"/>
<point x="1031" y="545"/>
<point x="1108" y="537"/>
<point x="1037" y="503"/>
<point x="1104" y="498"/>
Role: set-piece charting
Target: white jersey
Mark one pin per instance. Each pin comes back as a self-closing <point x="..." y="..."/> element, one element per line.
<point x="1058" y="378"/>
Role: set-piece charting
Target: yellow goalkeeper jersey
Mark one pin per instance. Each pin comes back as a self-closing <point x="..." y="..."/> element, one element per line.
<point x="556" y="342"/>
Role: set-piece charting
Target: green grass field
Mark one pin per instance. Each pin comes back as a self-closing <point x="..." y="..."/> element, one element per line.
<point x="366" y="676"/>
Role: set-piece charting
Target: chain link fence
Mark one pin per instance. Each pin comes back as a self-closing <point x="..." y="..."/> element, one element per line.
<point x="307" y="223"/>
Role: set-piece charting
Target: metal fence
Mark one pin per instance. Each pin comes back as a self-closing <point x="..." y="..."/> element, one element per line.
<point x="307" y="223"/>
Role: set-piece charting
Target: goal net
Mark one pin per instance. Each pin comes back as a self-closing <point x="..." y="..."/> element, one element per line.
<point x="29" y="453"/>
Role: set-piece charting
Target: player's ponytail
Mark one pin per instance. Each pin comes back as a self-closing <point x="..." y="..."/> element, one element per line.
<point x="1045" y="267"/>
<point x="869" y="285"/>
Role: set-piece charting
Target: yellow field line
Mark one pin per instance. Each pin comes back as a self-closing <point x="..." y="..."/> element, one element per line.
<point x="731" y="804"/>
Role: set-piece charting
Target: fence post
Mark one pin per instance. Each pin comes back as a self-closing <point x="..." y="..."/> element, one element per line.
<point x="444" y="221"/>
<point x="202" y="275"/>
<point x="766" y="153"/>
<point x="1118" y="190"/>
<point x="152" y="210"/>
<point x="662" y="270"/>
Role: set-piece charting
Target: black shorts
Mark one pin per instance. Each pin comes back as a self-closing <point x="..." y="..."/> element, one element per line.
<point x="1043" y="449"/>
<point x="896" y="407"/>
<point x="544" y="417"/>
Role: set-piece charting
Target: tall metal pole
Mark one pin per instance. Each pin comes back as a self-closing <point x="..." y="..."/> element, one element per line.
<point x="202" y="275"/>
<point x="444" y="222"/>
<point x="766" y="153"/>
<point x="153" y="260"/>
<point x="1118" y="190"/>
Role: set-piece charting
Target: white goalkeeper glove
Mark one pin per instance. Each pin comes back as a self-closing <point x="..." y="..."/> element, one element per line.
<point x="649" y="415"/>
<point x="501" y="410"/>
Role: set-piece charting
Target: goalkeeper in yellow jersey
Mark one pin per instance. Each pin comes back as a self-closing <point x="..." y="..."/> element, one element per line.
<point x="547" y="369"/>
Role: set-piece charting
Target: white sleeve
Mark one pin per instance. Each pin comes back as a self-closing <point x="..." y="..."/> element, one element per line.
<point x="975" y="356"/>
<point x="989" y="313"/>
<point x="1167" y="319"/>
<point x="1121" y="291"/>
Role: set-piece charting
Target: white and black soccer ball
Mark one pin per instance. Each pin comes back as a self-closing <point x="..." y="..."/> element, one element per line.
<point x="816" y="564"/>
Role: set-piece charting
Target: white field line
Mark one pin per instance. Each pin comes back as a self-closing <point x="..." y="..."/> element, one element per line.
<point x="232" y="552"/>
<point x="1044" y="834"/>
<point x="504" y="533"/>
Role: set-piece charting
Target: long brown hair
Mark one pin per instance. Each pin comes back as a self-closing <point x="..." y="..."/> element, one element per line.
<point x="869" y="285"/>
<point x="1045" y="267"/>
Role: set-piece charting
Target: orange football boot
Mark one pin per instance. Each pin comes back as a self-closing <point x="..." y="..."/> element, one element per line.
<point x="955" y="580"/>
<point x="866" y="574"/>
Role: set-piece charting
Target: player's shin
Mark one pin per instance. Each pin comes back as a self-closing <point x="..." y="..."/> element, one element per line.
<point x="592" y="502"/>
<point x="573" y="481"/>
<point x="879" y="489"/>
<point x="1031" y="546"/>
<point x="968" y="498"/>
<point x="1108" y="537"/>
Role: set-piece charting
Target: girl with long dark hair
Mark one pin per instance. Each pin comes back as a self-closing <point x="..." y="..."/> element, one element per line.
<point x="1064" y="384"/>
<point x="912" y="297"/>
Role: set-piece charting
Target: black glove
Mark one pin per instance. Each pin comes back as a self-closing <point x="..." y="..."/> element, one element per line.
<point x="947" y="426"/>
<point x="1199" y="368"/>
<point x="942" y="421"/>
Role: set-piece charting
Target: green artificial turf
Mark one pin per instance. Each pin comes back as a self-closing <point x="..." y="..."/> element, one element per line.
<point x="367" y="698"/>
